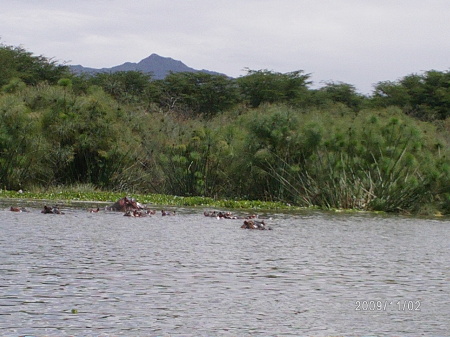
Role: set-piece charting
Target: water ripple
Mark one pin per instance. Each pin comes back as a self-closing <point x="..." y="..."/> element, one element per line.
<point x="105" y="274"/>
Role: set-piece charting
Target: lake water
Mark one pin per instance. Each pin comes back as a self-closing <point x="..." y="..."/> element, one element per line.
<point x="314" y="274"/>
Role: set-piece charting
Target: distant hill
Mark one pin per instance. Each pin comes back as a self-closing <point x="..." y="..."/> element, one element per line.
<point x="157" y="65"/>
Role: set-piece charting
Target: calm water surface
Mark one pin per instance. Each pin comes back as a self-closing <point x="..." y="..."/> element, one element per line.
<point x="189" y="275"/>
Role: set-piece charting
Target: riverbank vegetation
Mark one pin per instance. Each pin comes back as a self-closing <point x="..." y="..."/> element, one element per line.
<point x="265" y="136"/>
<point x="87" y="194"/>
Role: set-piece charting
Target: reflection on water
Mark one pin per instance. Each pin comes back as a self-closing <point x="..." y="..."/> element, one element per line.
<point x="106" y="274"/>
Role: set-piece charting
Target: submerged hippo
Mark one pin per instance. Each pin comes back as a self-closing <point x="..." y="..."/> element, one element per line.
<point x="51" y="210"/>
<point x="220" y="215"/>
<point x="17" y="209"/>
<point x="227" y="215"/>
<point x="125" y="204"/>
<point x="253" y="224"/>
<point x="167" y="213"/>
<point x="139" y="213"/>
<point x="135" y="213"/>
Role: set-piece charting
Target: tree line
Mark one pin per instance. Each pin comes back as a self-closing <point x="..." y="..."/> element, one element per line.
<point x="265" y="135"/>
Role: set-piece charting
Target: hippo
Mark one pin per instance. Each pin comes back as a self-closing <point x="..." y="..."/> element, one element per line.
<point x="135" y="213"/>
<point x="227" y="215"/>
<point x="51" y="210"/>
<point x="124" y="204"/>
<point x="220" y="215"/>
<point x="212" y="214"/>
<point x="167" y="213"/>
<point x="17" y="209"/>
<point x="253" y="224"/>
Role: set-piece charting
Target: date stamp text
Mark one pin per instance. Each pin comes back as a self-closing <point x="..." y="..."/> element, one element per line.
<point x="384" y="305"/>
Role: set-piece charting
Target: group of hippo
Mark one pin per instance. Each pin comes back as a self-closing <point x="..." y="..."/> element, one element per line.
<point x="250" y="221"/>
<point x="130" y="207"/>
<point x="45" y="210"/>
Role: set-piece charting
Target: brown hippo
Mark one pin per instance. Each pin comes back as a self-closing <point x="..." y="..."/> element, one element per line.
<point x="124" y="204"/>
<point x="210" y="214"/>
<point x="253" y="224"/>
<point x="51" y="210"/>
<point x="227" y="215"/>
<point x="17" y="209"/>
<point x="220" y="215"/>
<point x="135" y="213"/>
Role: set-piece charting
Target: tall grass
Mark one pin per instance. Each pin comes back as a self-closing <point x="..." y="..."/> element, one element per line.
<point x="370" y="161"/>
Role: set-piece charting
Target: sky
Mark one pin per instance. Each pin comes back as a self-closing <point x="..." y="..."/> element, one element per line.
<point x="358" y="42"/>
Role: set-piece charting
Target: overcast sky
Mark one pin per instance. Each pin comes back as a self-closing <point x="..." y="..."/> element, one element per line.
<point x="360" y="42"/>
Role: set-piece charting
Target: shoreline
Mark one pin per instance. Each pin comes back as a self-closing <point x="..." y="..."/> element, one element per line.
<point x="77" y="199"/>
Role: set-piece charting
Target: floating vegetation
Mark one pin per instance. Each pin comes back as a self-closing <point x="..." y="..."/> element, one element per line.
<point x="68" y="195"/>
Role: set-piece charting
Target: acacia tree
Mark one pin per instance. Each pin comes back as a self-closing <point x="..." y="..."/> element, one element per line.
<point x="264" y="86"/>
<point x="426" y="96"/>
<point x="126" y="86"/>
<point x="339" y="92"/>
<point x="16" y="62"/>
<point x="197" y="93"/>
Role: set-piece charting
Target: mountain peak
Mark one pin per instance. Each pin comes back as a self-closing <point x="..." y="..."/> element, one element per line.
<point x="154" y="58"/>
<point x="155" y="64"/>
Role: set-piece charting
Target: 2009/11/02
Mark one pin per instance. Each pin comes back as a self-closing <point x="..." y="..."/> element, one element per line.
<point x="400" y="305"/>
